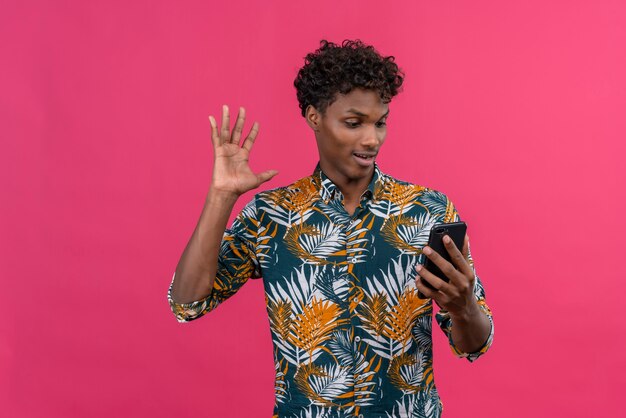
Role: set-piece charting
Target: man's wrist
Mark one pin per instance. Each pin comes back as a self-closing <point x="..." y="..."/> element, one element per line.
<point x="216" y="195"/>
<point x="468" y="315"/>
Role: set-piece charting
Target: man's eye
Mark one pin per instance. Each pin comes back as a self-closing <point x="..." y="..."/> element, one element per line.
<point x="381" y="124"/>
<point x="352" y="124"/>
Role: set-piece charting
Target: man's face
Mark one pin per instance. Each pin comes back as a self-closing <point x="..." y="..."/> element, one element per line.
<point x="349" y="135"/>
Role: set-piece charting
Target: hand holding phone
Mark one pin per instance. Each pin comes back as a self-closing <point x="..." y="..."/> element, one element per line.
<point x="456" y="231"/>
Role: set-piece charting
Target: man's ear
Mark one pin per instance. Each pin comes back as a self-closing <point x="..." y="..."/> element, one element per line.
<point x="312" y="117"/>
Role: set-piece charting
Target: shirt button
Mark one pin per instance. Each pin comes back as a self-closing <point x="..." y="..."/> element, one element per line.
<point x="360" y="415"/>
<point x="355" y="300"/>
<point x="357" y="339"/>
<point x="353" y="260"/>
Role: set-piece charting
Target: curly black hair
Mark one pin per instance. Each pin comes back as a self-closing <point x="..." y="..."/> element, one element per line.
<point x="338" y="69"/>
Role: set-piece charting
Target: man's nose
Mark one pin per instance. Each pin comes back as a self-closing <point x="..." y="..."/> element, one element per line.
<point x="372" y="137"/>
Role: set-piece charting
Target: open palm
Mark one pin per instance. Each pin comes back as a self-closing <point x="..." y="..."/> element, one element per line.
<point x="231" y="170"/>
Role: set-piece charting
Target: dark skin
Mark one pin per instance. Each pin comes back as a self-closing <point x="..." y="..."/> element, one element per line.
<point x="349" y="135"/>
<point x="232" y="177"/>
<point x="355" y="124"/>
<point x="471" y="325"/>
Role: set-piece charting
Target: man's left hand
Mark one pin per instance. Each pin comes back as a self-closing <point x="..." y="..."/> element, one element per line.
<point x="457" y="295"/>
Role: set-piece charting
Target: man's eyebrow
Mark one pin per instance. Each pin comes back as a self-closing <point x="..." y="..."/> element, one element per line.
<point x="356" y="112"/>
<point x="363" y="115"/>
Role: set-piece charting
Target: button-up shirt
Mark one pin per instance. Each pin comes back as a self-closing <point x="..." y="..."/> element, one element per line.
<point x="352" y="337"/>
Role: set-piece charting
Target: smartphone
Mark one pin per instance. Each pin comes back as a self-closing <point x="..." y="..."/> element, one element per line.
<point x="456" y="231"/>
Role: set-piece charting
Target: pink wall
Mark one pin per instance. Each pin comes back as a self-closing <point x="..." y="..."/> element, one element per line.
<point x="105" y="161"/>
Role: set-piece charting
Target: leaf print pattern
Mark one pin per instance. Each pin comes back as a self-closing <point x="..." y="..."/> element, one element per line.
<point x="400" y="318"/>
<point x="351" y="336"/>
<point x="324" y="384"/>
<point x="315" y="324"/>
<point x="281" y="384"/>
<point x="408" y="234"/>
<point x="422" y="332"/>
<point x="420" y="405"/>
<point x="405" y="372"/>
<point x="280" y="314"/>
<point x="315" y="244"/>
<point x="333" y="285"/>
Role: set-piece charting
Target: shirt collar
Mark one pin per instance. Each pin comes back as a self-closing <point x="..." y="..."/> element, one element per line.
<point x="329" y="191"/>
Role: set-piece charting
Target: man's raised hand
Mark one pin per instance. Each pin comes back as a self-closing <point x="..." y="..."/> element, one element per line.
<point x="231" y="171"/>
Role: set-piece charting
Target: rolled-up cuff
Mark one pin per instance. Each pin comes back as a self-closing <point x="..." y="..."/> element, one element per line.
<point x="186" y="312"/>
<point x="445" y="322"/>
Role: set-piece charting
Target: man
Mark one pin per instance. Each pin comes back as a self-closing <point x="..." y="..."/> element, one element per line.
<point x="340" y="253"/>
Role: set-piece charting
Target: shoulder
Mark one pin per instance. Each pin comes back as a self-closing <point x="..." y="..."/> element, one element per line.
<point x="303" y="190"/>
<point x="434" y="201"/>
<point x="391" y="181"/>
<point x="390" y="186"/>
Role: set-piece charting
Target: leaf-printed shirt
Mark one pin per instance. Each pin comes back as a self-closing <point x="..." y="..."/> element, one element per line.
<point x="351" y="336"/>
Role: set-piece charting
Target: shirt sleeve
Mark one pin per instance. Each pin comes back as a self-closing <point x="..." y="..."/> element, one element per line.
<point x="443" y="317"/>
<point x="236" y="263"/>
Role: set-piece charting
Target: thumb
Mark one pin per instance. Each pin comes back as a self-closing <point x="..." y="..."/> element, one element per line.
<point x="266" y="175"/>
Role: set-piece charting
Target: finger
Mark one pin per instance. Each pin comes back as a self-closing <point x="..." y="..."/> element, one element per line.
<point x="266" y="175"/>
<point x="438" y="284"/>
<point x="225" y="125"/>
<point x="457" y="257"/>
<point x="215" y="138"/>
<point x="446" y="267"/>
<point x="247" y="144"/>
<point x="236" y="135"/>
<point x="425" y="290"/>
<point x="440" y="298"/>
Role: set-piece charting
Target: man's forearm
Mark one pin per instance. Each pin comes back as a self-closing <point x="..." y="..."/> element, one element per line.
<point x="471" y="330"/>
<point x="195" y="272"/>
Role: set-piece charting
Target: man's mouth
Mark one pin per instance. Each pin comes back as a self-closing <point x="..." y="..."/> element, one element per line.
<point x="364" y="159"/>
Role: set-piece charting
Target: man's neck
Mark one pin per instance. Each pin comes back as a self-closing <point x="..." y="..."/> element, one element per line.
<point x="352" y="189"/>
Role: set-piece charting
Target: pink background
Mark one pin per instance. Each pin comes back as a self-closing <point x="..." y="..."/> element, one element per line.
<point x="516" y="110"/>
